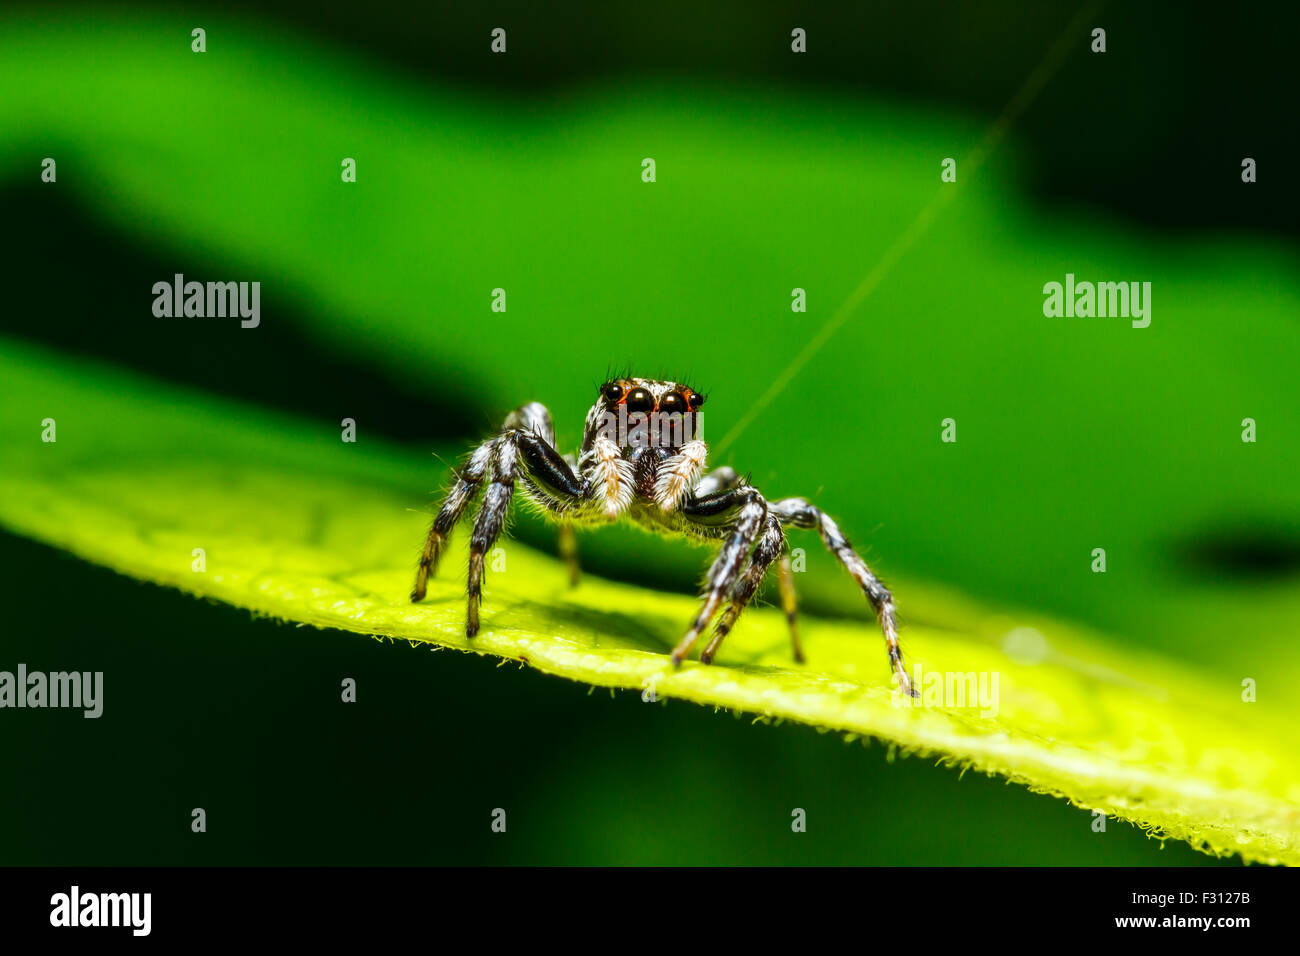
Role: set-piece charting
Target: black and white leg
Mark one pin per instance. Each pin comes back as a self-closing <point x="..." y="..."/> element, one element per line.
<point x="522" y="450"/>
<point x="771" y="549"/>
<point x="770" y="546"/>
<point x="743" y="511"/>
<point x="802" y="514"/>
<point x="534" y="417"/>
<point x="491" y="519"/>
<point x="469" y="481"/>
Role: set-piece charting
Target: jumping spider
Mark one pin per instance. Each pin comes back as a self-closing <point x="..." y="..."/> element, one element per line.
<point x="641" y="457"/>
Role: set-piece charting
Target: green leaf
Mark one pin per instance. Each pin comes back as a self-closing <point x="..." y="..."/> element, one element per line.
<point x="758" y="191"/>
<point x="1072" y="434"/>
<point x="298" y="525"/>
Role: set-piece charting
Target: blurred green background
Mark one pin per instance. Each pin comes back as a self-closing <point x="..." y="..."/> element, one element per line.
<point x="774" y="172"/>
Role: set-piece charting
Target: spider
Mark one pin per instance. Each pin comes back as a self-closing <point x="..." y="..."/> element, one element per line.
<point x="642" y="457"/>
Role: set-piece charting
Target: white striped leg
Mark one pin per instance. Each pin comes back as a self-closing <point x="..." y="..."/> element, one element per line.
<point x="750" y="511"/>
<point x="769" y="548"/>
<point x="491" y="519"/>
<point x="466" y="488"/>
<point x="801" y="514"/>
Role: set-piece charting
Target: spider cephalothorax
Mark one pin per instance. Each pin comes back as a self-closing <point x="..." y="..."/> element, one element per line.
<point x="643" y="442"/>
<point x="642" y="456"/>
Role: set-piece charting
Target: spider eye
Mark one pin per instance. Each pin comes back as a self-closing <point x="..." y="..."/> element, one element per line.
<point x="696" y="400"/>
<point x="613" y="391"/>
<point x="640" y="400"/>
<point x="672" y="402"/>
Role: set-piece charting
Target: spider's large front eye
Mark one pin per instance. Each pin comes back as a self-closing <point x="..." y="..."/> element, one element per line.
<point x="640" y="400"/>
<point x="613" y="391"/>
<point x="672" y="402"/>
<point x="696" y="400"/>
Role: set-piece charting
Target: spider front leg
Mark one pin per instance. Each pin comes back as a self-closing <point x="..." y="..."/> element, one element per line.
<point x="802" y="514"/>
<point x="771" y="546"/>
<point x="468" y="483"/>
<point x="491" y="519"/>
<point x="534" y="418"/>
<point x="548" y="482"/>
<point x="743" y="510"/>
<point x="522" y="452"/>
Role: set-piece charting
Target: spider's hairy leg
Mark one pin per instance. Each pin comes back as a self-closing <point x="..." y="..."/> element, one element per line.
<point x="534" y="417"/>
<point x="466" y="488"/>
<point x="548" y="482"/>
<point x="750" y="510"/>
<point x="522" y="449"/>
<point x="802" y="514"/>
<point x="770" y="547"/>
<point x="491" y="519"/>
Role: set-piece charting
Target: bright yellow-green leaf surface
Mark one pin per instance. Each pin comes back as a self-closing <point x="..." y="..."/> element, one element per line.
<point x="300" y="526"/>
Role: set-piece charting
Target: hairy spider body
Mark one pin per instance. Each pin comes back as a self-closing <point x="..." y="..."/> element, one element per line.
<point x="642" y="458"/>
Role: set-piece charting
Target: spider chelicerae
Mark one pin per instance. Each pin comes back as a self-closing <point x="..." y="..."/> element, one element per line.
<point x="642" y="457"/>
